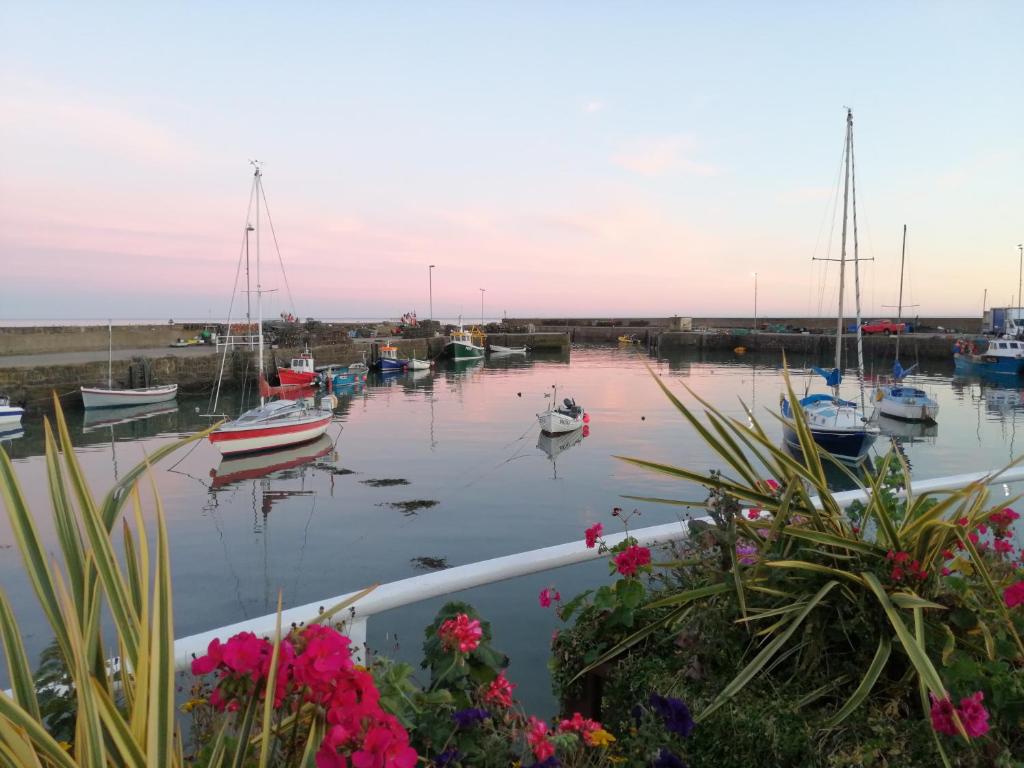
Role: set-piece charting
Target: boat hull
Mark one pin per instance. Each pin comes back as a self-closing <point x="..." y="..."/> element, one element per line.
<point x="388" y="364"/>
<point x="905" y="404"/>
<point x="463" y="351"/>
<point x="843" y="445"/>
<point x="495" y="348"/>
<point x="837" y="426"/>
<point x="96" y="397"/>
<point x="10" y="414"/>
<point x="418" y="365"/>
<point x="556" y="423"/>
<point x="232" y="441"/>
<point x="300" y="378"/>
<point x="982" y="364"/>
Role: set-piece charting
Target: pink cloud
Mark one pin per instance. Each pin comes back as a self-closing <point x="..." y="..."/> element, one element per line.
<point x="660" y="155"/>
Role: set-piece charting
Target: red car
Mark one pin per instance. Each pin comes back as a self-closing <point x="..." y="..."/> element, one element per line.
<point x="888" y="327"/>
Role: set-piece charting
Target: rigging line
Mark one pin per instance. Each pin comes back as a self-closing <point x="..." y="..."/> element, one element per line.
<point x="273" y="234"/>
<point x="215" y="394"/>
<point x="302" y="549"/>
<point x="821" y="227"/>
<point x="856" y="272"/>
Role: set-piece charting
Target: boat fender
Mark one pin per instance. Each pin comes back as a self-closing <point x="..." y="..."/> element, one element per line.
<point x="586" y="431"/>
<point x="879" y="395"/>
<point x="586" y="418"/>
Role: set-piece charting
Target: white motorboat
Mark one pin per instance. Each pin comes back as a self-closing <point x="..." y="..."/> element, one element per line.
<point x="497" y="348"/>
<point x="108" y="397"/>
<point x="418" y="365"/>
<point x="9" y="414"/>
<point x="559" y="419"/>
<point x="101" y="397"/>
<point x="281" y="422"/>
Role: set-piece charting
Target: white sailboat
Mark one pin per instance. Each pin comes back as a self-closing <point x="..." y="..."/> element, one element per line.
<point x="278" y="423"/>
<point x="99" y="397"/>
<point x="9" y="414"/>
<point x="893" y="398"/>
<point x="838" y="426"/>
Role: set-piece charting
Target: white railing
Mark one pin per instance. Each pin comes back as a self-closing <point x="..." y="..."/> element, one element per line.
<point x="249" y="342"/>
<point x="418" y="588"/>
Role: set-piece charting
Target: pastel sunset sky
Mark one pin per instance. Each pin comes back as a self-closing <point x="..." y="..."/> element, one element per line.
<point x="588" y="159"/>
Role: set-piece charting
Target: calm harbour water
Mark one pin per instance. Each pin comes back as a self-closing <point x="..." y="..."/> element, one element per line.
<point x="309" y="523"/>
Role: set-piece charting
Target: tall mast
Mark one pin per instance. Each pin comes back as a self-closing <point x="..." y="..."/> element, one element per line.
<point x="856" y="262"/>
<point x="110" y="354"/>
<point x="899" y="305"/>
<point x="259" y="285"/>
<point x="842" y="255"/>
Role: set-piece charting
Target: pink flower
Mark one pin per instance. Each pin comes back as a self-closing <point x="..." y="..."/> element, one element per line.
<point x="537" y="738"/>
<point x="581" y="725"/>
<point x="746" y="554"/>
<point x="942" y="716"/>
<point x="206" y="664"/>
<point x="461" y="632"/>
<point x="1013" y="595"/>
<point x="1003" y="547"/>
<point x="244" y="653"/>
<point x="1009" y="514"/>
<point x="973" y="715"/>
<point x="592" y="533"/>
<point x="753" y="513"/>
<point x="547" y="595"/>
<point x="946" y="571"/>
<point x="499" y="691"/>
<point x="632" y="559"/>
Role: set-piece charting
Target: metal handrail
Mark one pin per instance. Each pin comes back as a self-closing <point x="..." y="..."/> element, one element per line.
<point x="418" y="588"/>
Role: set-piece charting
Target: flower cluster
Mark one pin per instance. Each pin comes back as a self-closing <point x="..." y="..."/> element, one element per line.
<point x="467" y="718"/>
<point x="462" y="633"/>
<point x="547" y="595"/>
<point x="630" y="560"/>
<point x="590" y="731"/>
<point x="904" y="568"/>
<point x="314" y="666"/>
<point x="1013" y="595"/>
<point x="538" y="738"/>
<point x="746" y="553"/>
<point x="674" y="712"/>
<point x="971" y="713"/>
<point x="592" y="534"/>
<point x="499" y="691"/>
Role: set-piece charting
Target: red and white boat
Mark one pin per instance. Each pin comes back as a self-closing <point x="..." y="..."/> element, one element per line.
<point x="299" y="372"/>
<point x="282" y="422"/>
<point x="271" y="425"/>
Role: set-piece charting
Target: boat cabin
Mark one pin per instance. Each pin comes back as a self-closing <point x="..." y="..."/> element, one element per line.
<point x="302" y="364"/>
<point x="1005" y="348"/>
<point x="389" y="352"/>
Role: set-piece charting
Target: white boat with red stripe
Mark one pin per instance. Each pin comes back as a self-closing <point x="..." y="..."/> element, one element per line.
<point x="269" y="426"/>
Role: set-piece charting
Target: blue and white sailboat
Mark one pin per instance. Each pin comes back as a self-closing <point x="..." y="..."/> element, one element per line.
<point x="893" y="398"/>
<point x="838" y="426"/>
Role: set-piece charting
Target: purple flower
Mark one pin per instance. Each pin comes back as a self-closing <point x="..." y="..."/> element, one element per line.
<point x="674" y="712"/>
<point x="668" y="759"/>
<point x="467" y="718"/>
<point x="447" y="757"/>
<point x="551" y="762"/>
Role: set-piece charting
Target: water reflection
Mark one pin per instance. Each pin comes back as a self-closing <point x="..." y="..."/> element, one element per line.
<point x="98" y="418"/>
<point x="554" y="445"/>
<point x="239" y="469"/>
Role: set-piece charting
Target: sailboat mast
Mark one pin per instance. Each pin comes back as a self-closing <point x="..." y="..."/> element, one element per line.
<point x="899" y="303"/>
<point x="856" y="263"/>
<point x="110" y="354"/>
<point x="259" y="285"/>
<point x="842" y="255"/>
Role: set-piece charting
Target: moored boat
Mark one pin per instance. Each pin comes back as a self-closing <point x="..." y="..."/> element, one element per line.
<point x="418" y="365"/>
<point x="998" y="356"/>
<point x="466" y="345"/>
<point x="103" y="397"/>
<point x="9" y="414"/>
<point x="558" y="419"/>
<point x="299" y="371"/>
<point x="497" y="348"/>
<point x="388" y="359"/>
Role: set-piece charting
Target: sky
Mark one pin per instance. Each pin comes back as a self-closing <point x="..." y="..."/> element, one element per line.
<point x="573" y="159"/>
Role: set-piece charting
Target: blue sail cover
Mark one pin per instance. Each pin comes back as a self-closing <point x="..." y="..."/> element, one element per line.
<point x="899" y="372"/>
<point x="832" y="378"/>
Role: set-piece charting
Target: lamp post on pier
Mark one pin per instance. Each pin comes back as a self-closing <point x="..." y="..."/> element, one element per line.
<point x="755" y="302"/>
<point x="430" y="283"/>
<point x="482" y="290"/>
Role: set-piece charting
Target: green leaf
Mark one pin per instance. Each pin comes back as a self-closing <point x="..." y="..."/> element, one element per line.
<point x="18" y="669"/>
<point x="866" y="684"/>
<point x="630" y="592"/>
<point x="751" y="670"/>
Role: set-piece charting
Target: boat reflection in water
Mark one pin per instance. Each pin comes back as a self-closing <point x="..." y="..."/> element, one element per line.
<point x="553" y="445"/>
<point x="11" y="434"/>
<point x="255" y="466"/>
<point x="908" y="431"/>
<point x="93" y="419"/>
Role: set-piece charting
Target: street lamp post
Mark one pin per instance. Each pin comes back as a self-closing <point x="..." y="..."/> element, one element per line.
<point x="430" y="283"/>
<point x="755" y="302"/>
<point x="482" y="290"/>
<point x="1020" y="273"/>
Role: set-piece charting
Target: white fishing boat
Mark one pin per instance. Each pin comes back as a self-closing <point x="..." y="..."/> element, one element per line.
<point x="566" y="417"/>
<point x="9" y="414"/>
<point x="892" y="397"/>
<point x="418" y="365"/>
<point x="838" y="426"/>
<point x="109" y="397"/>
<point x="275" y="424"/>
<point x="498" y="349"/>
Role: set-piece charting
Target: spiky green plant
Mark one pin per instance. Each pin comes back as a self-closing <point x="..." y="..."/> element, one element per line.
<point x="124" y="712"/>
<point x="823" y="585"/>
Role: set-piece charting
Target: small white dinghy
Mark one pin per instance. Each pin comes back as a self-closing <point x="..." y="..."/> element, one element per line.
<point x="108" y="397"/>
<point x="418" y="365"/>
<point x="563" y="418"/>
<point x="498" y="349"/>
<point x="9" y="414"/>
